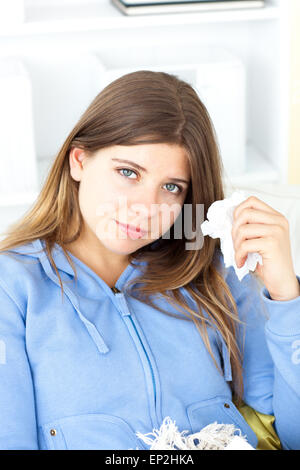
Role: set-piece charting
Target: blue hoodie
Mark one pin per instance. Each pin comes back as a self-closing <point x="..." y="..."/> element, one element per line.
<point x="89" y="369"/>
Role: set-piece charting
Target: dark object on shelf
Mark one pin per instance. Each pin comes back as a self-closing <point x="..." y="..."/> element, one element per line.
<point x="146" y="7"/>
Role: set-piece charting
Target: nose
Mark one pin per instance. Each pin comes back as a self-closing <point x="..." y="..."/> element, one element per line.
<point x="146" y="204"/>
<point x="144" y="210"/>
<point x="146" y="216"/>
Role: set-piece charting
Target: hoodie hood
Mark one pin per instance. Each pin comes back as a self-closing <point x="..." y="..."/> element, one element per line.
<point x="35" y="249"/>
<point x="89" y="285"/>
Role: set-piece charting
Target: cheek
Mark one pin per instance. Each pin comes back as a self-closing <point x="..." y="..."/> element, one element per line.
<point x="99" y="201"/>
<point x="87" y="200"/>
<point x="168" y="216"/>
<point x="94" y="199"/>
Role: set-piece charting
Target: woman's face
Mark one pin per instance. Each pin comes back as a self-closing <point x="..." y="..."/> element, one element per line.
<point x="144" y="192"/>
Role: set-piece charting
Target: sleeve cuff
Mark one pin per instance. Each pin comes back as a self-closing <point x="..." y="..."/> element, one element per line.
<point x="284" y="315"/>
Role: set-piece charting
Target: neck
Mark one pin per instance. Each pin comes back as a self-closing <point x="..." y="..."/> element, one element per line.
<point x="106" y="264"/>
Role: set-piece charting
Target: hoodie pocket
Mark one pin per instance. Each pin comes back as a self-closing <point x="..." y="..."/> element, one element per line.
<point x="221" y="410"/>
<point x="89" y="432"/>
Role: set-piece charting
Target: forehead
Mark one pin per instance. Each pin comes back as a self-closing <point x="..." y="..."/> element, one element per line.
<point x="151" y="156"/>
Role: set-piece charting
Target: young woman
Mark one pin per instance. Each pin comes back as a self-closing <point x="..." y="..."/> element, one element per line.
<point x="106" y="329"/>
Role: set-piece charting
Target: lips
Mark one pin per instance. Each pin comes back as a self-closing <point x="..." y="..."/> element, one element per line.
<point x="132" y="229"/>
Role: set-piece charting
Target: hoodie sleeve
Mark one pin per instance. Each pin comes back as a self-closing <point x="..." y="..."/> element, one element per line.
<point x="17" y="406"/>
<point x="270" y="340"/>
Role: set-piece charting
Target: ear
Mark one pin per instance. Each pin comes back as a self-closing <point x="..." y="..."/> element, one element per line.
<point x="76" y="157"/>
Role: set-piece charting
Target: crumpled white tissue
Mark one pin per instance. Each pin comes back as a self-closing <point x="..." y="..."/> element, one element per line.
<point x="214" y="436"/>
<point x="219" y="225"/>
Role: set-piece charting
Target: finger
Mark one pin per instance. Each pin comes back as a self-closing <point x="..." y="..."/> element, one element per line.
<point x="255" y="203"/>
<point x="250" y="231"/>
<point x="254" y="216"/>
<point x="241" y="262"/>
<point x="256" y="245"/>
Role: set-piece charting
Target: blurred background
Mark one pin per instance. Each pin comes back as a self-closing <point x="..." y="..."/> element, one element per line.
<point x="242" y="58"/>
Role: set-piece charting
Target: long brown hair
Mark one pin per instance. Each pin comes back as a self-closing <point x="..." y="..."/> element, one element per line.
<point x="139" y="108"/>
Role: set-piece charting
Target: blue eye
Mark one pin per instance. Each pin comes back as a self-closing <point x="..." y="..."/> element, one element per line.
<point x="174" y="185"/>
<point x="125" y="174"/>
<point x="128" y="170"/>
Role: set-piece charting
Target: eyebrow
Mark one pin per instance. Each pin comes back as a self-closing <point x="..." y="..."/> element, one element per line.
<point x="138" y="167"/>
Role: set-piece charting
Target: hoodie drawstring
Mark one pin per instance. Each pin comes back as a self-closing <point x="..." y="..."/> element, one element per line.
<point x="94" y="333"/>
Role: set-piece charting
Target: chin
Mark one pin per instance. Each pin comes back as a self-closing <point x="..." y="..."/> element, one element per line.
<point x="124" y="247"/>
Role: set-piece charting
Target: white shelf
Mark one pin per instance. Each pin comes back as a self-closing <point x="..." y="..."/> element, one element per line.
<point x="258" y="169"/>
<point x="258" y="36"/>
<point x="105" y="16"/>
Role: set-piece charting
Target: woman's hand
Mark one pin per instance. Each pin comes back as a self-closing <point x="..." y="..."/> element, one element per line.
<point x="259" y="228"/>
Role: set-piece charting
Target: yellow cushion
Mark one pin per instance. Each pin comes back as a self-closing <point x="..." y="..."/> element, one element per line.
<point x="262" y="425"/>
